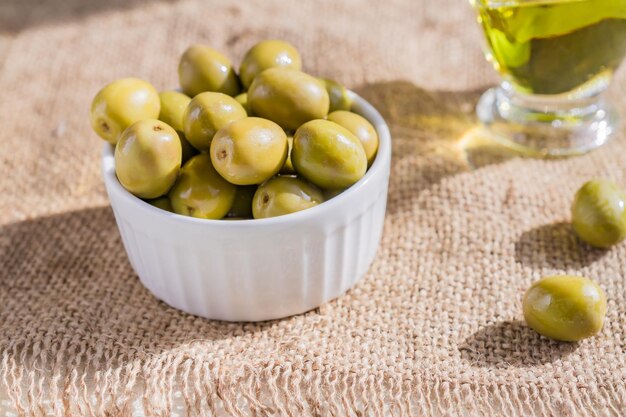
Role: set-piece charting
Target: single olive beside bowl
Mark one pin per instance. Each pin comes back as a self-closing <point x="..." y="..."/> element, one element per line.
<point x="284" y="195"/>
<point x="599" y="213"/>
<point x="206" y="114"/>
<point x="147" y="158"/>
<point x="173" y="105"/>
<point x="120" y="104"/>
<point x="249" y="151"/>
<point x="205" y="69"/>
<point x="328" y="155"/>
<point x="200" y="191"/>
<point x="268" y="54"/>
<point x="361" y="128"/>
<point x="288" y="97"/>
<point x="339" y="97"/>
<point x="566" y="308"/>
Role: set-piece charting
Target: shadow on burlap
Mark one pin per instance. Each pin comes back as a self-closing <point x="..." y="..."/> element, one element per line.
<point x="432" y="329"/>
<point x="18" y="15"/>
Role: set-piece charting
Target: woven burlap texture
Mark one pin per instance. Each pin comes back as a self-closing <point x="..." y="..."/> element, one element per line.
<point x="434" y="328"/>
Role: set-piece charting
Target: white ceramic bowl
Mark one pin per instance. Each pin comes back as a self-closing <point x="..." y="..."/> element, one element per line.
<point x="252" y="270"/>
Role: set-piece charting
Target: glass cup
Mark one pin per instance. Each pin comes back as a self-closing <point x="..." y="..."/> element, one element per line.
<point x="556" y="58"/>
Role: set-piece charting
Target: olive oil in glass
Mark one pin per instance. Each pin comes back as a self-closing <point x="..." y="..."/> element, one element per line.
<point x="556" y="58"/>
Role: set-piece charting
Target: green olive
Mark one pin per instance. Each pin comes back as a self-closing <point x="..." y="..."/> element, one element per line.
<point x="242" y="206"/>
<point x="188" y="150"/>
<point x="361" y="128"/>
<point x="338" y="94"/>
<point x="284" y="195"/>
<point x="204" y="69"/>
<point x="120" y="104"/>
<point x="288" y="97"/>
<point x="330" y="194"/>
<point x="249" y="151"/>
<point x="268" y="54"/>
<point x="147" y="158"/>
<point x="173" y="105"/>
<point x="243" y="100"/>
<point x="162" y="202"/>
<point x="287" y="168"/>
<point x="328" y="155"/>
<point x="567" y="308"/>
<point x="206" y="114"/>
<point x="200" y="191"/>
<point x="599" y="213"/>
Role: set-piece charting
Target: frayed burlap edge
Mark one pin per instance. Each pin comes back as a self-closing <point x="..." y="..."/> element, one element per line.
<point x="308" y="389"/>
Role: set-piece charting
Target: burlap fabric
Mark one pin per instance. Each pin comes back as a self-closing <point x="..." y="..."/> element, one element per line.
<point x="433" y="329"/>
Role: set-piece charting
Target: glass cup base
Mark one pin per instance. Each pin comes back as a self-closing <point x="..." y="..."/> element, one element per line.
<point x="547" y="126"/>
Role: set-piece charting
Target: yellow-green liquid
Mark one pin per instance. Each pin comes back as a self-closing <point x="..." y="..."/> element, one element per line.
<point x="554" y="46"/>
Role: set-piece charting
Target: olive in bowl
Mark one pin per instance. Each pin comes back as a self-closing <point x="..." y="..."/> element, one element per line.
<point x="288" y="97"/>
<point x="120" y="104"/>
<point x="271" y="53"/>
<point x="249" y="151"/>
<point x="202" y="69"/>
<point x="285" y="195"/>
<point x="206" y="114"/>
<point x="147" y="158"/>
<point x="328" y="155"/>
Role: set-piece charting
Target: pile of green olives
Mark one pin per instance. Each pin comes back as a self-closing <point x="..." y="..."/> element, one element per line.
<point x="264" y="141"/>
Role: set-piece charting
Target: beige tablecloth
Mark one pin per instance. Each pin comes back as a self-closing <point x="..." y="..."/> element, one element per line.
<point x="433" y="329"/>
